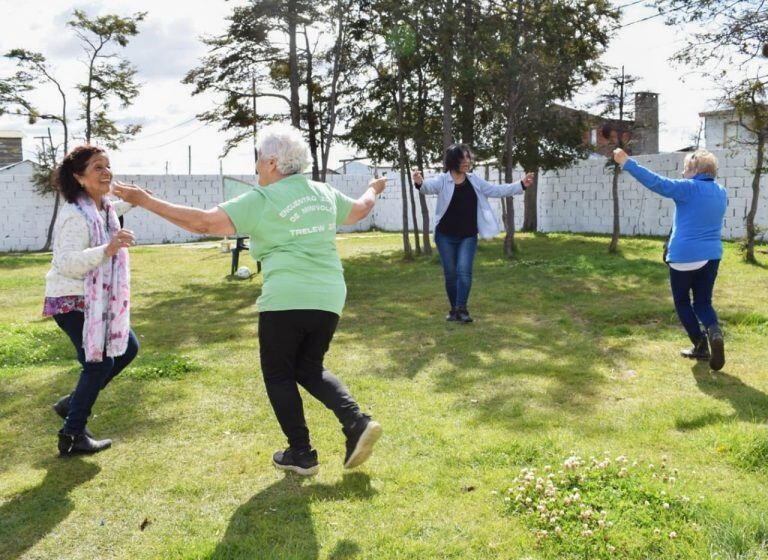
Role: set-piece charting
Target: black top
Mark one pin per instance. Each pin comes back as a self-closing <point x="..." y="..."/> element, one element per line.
<point x="460" y="219"/>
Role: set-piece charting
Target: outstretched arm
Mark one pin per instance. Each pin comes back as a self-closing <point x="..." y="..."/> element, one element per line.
<point x="363" y="205"/>
<point x="677" y="189"/>
<point x="214" y="221"/>
<point x="427" y="186"/>
<point x="505" y="189"/>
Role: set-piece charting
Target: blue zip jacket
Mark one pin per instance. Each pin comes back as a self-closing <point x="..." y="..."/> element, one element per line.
<point x="487" y="224"/>
<point x="700" y="205"/>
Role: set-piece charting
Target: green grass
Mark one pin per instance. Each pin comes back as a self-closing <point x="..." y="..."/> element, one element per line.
<point x="573" y="352"/>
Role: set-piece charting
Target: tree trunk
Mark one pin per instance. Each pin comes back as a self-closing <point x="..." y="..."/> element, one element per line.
<point x="446" y="40"/>
<point x="338" y="52"/>
<point x="311" y="115"/>
<point x="751" y="229"/>
<point x="293" y="66"/>
<point x="510" y="247"/>
<point x="530" y="211"/>
<point x="423" y="206"/>
<point x="413" y="208"/>
<point x="467" y="88"/>
<point x="613" y="247"/>
<point x="407" y="251"/>
<point x="49" y="236"/>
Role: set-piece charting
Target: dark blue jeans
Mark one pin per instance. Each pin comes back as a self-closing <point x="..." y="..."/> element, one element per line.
<point x="94" y="375"/>
<point x="701" y="282"/>
<point x="457" y="255"/>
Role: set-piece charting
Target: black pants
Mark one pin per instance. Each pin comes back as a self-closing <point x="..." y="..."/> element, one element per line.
<point x="292" y="346"/>
<point x="94" y="375"/>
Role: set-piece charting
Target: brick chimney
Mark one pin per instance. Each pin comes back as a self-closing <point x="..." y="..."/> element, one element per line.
<point x="10" y="147"/>
<point x="645" y="136"/>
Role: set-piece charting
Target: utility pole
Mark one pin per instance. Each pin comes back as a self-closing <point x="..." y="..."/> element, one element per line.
<point x="253" y="94"/>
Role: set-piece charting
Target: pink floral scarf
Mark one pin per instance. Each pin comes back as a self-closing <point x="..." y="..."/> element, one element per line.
<point x="107" y="288"/>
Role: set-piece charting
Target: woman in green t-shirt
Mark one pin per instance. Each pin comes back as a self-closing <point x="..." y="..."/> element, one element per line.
<point x="292" y="223"/>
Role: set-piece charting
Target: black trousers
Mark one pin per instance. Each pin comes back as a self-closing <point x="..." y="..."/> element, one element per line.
<point x="292" y="345"/>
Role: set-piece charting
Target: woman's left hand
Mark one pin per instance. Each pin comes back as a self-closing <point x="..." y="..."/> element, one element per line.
<point x="528" y="179"/>
<point x="132" y="194"/>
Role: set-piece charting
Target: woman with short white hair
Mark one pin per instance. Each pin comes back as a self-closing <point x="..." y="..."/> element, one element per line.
<point x="695" y="247"/>
<point x="292" y="223"/>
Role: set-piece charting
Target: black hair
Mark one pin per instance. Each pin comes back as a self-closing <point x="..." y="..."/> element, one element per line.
<point x="453" y="156"/>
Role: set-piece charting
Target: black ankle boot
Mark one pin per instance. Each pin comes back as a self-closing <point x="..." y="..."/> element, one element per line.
<point x="699" y="351"/>
<point x="61" y="407"/>
<point x="79" y="444"/>
<point x="451" y="315"/>
<point x="463" y="315"/>
<point x="717" y="344"/>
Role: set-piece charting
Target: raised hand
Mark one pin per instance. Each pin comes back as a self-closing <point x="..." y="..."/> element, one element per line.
<point x="378" y="185"/>
<point x="620" y="156"/>
<point x="130" y="193"/>
<point x="528" y="179"/>
<point x="123" y="239"/>
<point x="417" y="177"/>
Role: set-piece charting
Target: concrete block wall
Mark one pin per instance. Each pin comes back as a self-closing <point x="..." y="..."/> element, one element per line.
<point x="577" y="199"/>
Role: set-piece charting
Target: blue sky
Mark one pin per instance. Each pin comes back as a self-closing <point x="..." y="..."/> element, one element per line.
<point x="168" y="46"/>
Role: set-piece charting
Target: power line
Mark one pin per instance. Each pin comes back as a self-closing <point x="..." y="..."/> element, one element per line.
<point x="143" y="136"/>
<point x="659" y="14"/>
<point x="167" y="143"/>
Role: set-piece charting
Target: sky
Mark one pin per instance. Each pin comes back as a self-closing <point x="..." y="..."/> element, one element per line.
<point x="169" y="45"/>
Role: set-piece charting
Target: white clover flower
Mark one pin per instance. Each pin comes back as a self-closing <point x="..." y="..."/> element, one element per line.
<point x="664" y="458"/>
<point x="647" y="503"/>
<point x="663" y="492"/>
<point x="623" y="473"/>
<point x="674" y="471"/>
<point x="507" y="499"/>
<point x="673" y="535"/>
<point x="609" y="524"/>
<point x="611" y="548"/>
<point x="665" y="505"/>
<point x="558" y="530"/>
<point x="547" y="468"/>
<point x="587" y="533"/>
<point x="685" y="499"/>
<point x="651" y="466"/>
<point x="656" y="531"/>
<point x="600" y="523"/>
<point x="528" y="501"/>
<point x="672" y="479"/>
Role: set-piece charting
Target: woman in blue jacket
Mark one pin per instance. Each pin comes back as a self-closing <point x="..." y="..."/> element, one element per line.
<point x="463" y="212"/>
<point x="695" y="249"/>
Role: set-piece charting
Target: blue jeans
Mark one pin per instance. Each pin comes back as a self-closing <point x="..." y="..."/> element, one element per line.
<point x="94" y="375"/>
<point x="701" y="282"/>
<point x="457" y="255"/>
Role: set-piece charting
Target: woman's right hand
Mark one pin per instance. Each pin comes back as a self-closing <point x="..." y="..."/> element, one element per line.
<point x="417" y="177"/>
<point x="124" y="238"/>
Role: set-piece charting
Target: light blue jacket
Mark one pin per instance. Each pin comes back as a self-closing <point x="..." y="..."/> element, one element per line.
<point x="487" y="223"/>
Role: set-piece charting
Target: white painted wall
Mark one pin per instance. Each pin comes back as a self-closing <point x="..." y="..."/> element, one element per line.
<point x="577" y="199"/>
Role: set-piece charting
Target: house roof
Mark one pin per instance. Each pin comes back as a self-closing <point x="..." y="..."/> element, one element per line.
<point x="12" y="165"/>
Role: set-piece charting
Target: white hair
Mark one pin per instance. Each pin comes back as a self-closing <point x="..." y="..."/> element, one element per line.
<point x="285" y="144"/>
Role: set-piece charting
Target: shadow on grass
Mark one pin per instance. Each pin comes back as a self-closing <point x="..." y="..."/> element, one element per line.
<point x="550" y="315"/>
<point x="749" y="404"/>
<point x="193" y="314"/>
<point x="277" y="522"/>
<point x="30" y="515"/>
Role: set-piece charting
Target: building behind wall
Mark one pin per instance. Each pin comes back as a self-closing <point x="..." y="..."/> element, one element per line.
<point x="10" y="147"/>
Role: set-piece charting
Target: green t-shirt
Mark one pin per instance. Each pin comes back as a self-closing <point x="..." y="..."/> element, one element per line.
<point x="292" y="226"/>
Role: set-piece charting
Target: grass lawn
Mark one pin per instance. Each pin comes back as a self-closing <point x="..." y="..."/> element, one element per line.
<point x="574" y="353"/>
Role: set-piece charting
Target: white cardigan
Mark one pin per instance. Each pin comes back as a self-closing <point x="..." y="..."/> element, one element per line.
<point x="73" y="257"/>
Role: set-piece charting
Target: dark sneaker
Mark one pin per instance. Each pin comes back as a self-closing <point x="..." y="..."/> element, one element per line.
<point x="717" y="346"/>
<point x="451" y="315"/>
<point x="463" y="315"/>
<point x="361" y="436"/>
<point x="301" y="462"/>
<point x="61" y="407"/>
<point x="81" y="444"/>
<point x="699" y="351"/>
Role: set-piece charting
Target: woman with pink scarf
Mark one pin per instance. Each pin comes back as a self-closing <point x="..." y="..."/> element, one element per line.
<point x="87" y="290"/>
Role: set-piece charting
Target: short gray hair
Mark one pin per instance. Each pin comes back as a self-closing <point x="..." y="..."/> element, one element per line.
<point x="701" y="161"/>
<point x="285" y="144"/>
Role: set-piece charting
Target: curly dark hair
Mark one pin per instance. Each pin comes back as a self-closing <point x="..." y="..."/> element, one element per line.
<point x="74" y="162"/>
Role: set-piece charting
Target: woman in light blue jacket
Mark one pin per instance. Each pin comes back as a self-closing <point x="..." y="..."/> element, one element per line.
<point x="463" y="212"/>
